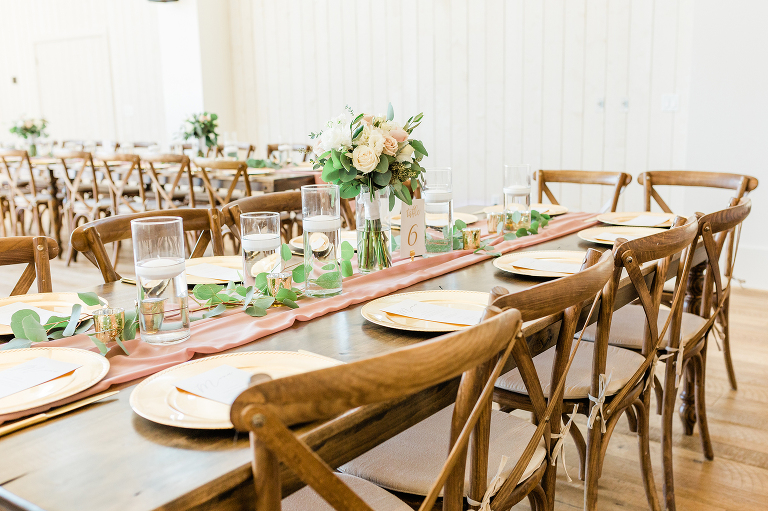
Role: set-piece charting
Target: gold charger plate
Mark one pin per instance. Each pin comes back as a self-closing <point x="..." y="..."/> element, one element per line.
<point x="437" y="220"/>
<point x="551" y="209"/>
<point x="507" y="262"/>
<point x="621" y="218"/>
<point x="297" y="243"/>
<point x="157" y="399"/>
<point x="234" y="262"/>
<point x="93" y="368"/>
<point x="469" y="300"/>
<point x="630" y="232"/>
<point x="60" y="303"/>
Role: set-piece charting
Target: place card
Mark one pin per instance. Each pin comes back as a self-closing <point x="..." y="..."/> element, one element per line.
<point x="412" y="229"/>
<point x="436" y="313"/>
<point x="214" y="271"/>
<point x="7" y="312"/>
<point x="546" y="265"/>
<point x="646" y="221"/>
<point x="222" y="384"/>
<point x="32" y="373"/>
<point x="609" y="236"/>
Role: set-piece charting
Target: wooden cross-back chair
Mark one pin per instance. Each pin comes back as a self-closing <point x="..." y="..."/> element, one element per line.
<point x="406" y="461"/>
<point x="741" y="185"/>
<point x="304" y="149"/>
<point x="288" y="204"/>
<point x="270" y="407"/>
<point x="172" y="196"/>
<point x="619" y="181"/>
<point x="91" y="238"/>
<point x="604" y="381"/>
<point x="118" y="170"/>
<point x="241" y="146"/>
<point x="239" y="168"/>
<point x="36" y="251"/>
<point x="24" y="194"/>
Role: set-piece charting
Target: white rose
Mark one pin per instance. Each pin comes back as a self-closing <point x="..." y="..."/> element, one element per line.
<point x="364" y="159"/>
<point x="375" y="139"/>
<point x="405" y="154"/>
<point x="189" y="127"/>
<point x="336" y="137"/>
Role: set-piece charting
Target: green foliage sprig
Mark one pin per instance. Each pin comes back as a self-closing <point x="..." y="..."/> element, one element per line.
<point x="538" y="221"/>
<point x="262" y="164"/>
<point x="331" y="279"/>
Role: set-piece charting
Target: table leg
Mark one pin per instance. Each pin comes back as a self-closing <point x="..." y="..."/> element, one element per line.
<point x="692" y="304"/>
<point x="55" y="211"/>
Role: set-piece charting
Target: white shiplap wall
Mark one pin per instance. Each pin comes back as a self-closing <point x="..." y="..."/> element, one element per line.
<point x="499" y="81"/>
<point x="129" y="67"/>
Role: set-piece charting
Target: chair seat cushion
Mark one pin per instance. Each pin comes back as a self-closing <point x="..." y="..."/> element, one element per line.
<point x="379" y="499"/>
<point x="628" y="327"/>
<point x="621" y="365"/>
<point x="411" y="461"/>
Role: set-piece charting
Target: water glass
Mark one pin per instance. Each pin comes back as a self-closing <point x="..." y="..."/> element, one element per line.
<point x="321" y="219"/>
<point x="158" y="252"/>
<point x="517" y="197"/>
<point x="260" y="238"/>
<point x="438" y="207"/>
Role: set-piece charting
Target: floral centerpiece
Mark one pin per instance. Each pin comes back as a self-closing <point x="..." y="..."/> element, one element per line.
<point x="203" y="128"/>
<point x="371" y="158"/>
<point x="29" y="128"/>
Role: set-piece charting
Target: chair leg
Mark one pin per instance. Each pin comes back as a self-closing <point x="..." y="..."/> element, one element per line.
<point x="594" y="439"/>
<point x="701" y="406"/>
<point x="631" y="419"/>
<point x="581" y="447"/>
<point x="659" y="391"/>
<point x="725" y="317"/>
<point x="687" y="410"/>
<point x="643" y="409"/>
<point x="667" y="414"/>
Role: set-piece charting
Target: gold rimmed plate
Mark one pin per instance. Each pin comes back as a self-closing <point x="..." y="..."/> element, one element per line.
<point x="549" y="209"/>
<point x="437" y="220"/>
<point x="93" y="368"/>
<point x="233" y="262"/>
<point x="624" y="219"/>
<point x="468" y="300"/>
<point x="603" y="235"/>
<point x="157" y="399"/>
<point x="58" y="303"/>
<point x="297" y="243"/>
<point x="507" y="262"/>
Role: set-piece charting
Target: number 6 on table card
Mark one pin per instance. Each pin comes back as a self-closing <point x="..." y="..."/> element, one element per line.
<point x="412" y="228"/>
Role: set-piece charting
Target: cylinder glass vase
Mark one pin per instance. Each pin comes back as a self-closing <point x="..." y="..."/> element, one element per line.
<point x="321" y="220"/>
<point x="374" y="230"/>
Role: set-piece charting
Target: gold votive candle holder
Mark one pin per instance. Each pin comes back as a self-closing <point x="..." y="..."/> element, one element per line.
<point x="471" y="238"/>
<point x="109" y="324"/>
<point x="277" y="281"/>
<point x="493" y="221"/>
<point x="152" y="311"/>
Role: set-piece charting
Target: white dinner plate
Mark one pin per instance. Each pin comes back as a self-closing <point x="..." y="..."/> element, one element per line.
<point x="621" y="218"/>
<point x="234" y="262"/>
<point x="630" y="233"/>
<point x="507" y="262"/>
<point x="157" y="399"/>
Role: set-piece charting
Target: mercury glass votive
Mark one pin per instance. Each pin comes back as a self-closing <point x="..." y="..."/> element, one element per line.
<point x="493" y="221"/>
<point x="277" y="281"/>
<point x="471" y="238"/>
<point x="109" y="324"/>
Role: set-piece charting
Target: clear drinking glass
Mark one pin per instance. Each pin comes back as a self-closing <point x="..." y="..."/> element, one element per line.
<point x="230" y="146"/>
<point x="438" y="206"/>
<point x="321" y="219"/>
<point x="260" y="233"/>
<point x="158" y="252"/>
<point x="517" y="197"/>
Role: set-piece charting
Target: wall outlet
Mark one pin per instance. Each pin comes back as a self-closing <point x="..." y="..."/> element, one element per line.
<point x="670" y="102"/>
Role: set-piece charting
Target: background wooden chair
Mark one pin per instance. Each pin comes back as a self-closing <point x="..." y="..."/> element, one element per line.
<point x="36" y="252"/>
<point x="288" y="204"/>
<point x="407" y="460"/>
<point x="123" y="179"/>
<point x="227" y="171"/>
<point x="170" y="195"/>
<point x="619" y="181"/>
<point x="303" y="149"/>
<point x="91" y="238"/>
<point x="741" y="185"/>
<point x="269" y="407"/>
<point x="244" y="149"/>
<point x="26" y="192"/>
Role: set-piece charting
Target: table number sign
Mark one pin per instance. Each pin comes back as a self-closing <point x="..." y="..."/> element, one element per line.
<point x="412" y="229"/>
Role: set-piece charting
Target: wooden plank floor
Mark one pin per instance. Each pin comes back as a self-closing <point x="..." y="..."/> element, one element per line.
<point x="736" y="480"/>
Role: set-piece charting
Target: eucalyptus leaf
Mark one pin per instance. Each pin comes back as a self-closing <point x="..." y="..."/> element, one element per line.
<point x="255" y="312"/>
<point x="263" y="302"/>
<point x="390" y="112"/>
<point x="522" y="232"/>
<point x="391" y="201"/>
<point x="33" y="330"/>
<point x="74" y="319"/>
<point x="56" y="323"/>
<point x="16" y="344"/>
<point x="345" y="161"/>
<point x="206" y="291"/>
<point x="122" y="346"/>
<point x="290" y="303"/>
<point x="329" y="267"/>
<point x="516" y="216"/>
<point x="510" y="236"/>
<point x="382" y="179"/>
<point x="459" y="224"/>
<point x="347" y="251"/>
<point x="534" y="228"/>
<point x="88" y="323"/>
<point x="298" y="274"/>
<point x="416" y="144"/>
<point x="285" y="252"/>
<point x="335" y="158"/>
<point x="347" y="175"/>
<point x="90" y="298"/>
<point x="346" y="269"/>
<point x="383" y="165"/>
<point x="242" y="290"/>
<point x="328" y="168"/>
<point x="283" y="293"/>
<point x="102" y="347"/>
<point x="56" y="334"/>
<point x="215" y="311"/>
<point x="329" y="280"/>
<point x="350" y="190"/>
<point x="248" y="297"/>
<point x="260" y="282"/>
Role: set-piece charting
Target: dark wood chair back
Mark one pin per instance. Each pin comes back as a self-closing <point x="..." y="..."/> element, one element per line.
<point x="161" y="192"/>
<point x="91" y="238"/>
<point x="36" y="251"/>
<point x="740" y="184"/>
<point x="240" y="169"/>
<point x="284" y="203"/>
<point x="618" y="180"/>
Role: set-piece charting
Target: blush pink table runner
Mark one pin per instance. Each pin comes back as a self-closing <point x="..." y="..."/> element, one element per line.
<point x="235" y="328"/>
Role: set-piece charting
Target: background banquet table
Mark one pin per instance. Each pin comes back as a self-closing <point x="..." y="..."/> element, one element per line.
<point x="126" y="462"/>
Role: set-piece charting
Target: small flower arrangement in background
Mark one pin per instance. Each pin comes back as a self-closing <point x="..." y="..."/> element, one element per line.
<point x="202" y="127"/>
<point x="28" y="127"/>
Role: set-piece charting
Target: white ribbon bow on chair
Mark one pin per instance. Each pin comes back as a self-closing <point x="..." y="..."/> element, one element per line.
<point x="494" y="487"/>
<point x="597" y="408"/>
<point x="560" y="445"/>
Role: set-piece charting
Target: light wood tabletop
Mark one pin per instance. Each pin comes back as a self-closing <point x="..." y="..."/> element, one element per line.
<point x="110" y="457"/>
